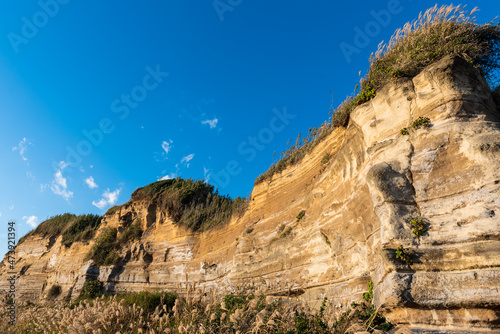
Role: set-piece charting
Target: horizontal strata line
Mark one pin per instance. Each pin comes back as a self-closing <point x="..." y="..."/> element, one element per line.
<point x="451" y="195"/>
<point x="445" y="272"/>
<point x="447" y="244"/>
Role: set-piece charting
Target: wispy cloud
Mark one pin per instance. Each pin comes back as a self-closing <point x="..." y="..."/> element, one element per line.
<point x="11" y="207"/>
<point x="166" y="145"/>
<point x="168" y="177"/>
<point x="31" y="220"/>
<point x="206" y="174"/>
<point x="187" y="159"/>
<point x="211" y="122"/>
<point x="108" y="198"/>
<point x="59" y="184"/>
<point x="22" y="147"/>
<point x="91" y="183"/>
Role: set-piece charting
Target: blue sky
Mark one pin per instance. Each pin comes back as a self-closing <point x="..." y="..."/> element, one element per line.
<point x="98" y="98"/>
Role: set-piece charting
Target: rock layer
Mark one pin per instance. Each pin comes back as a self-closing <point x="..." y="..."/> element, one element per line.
<point x="357" y="211"/>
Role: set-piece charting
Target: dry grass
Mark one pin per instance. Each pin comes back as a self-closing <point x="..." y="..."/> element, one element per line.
<point x="200" y="311"/>
<point x="435" y="34"/>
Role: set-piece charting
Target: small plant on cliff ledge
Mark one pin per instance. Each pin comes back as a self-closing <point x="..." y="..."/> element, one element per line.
<point x="419" y="227"/>
<point x="404" y="131"/>
<point x="421" y="122"/>
<point x="326" y="158"/>
<point x="405" y="255"/>
<point x="368" y="296"/>
<point x="301" y="215"/>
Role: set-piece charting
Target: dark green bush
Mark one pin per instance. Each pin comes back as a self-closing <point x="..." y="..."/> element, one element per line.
<point x="91" y="289"/>
<point x="194" y="204"/>
<point x="104" y="251"/>
<point x="132" y="232"/>
<point x="148" y="300"/>
<point x="301" y="215"/>
<point x="421" y="122"/>
<point x="107" y="247"/>
<point x="82" y="229"/>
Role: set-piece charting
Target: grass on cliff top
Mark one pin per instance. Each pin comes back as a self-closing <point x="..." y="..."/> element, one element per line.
<point x="193" y="204"/>
<point x="435" y="34"/>
<point x="73" y="228"/>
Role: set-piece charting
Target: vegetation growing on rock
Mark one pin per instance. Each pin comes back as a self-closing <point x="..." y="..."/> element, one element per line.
<point x="106" y="250"/>
<point x="73" y="228"/>
<point x="193" y="204"/>
<point x="82" y="229"/>
<point x="435" y="34"/>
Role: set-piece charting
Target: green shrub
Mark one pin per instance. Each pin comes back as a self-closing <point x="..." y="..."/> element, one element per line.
<point x="419" y="227"/>
<point x="132" y="232"/>
<point x="421" y="122"/>
<point x="104" y="251"/>
<point x="193" y="204"/>
<point x="405" y="255"/>
<point x="81" y="229"/>
<point x="107" y="247"/>
<point x="148" y="301"/>
<point x="404" y="131"/>
<point x="286" y="232"/>
<point x="368" y="296"/>
<point x="91" y="289"/>
<point x="301" y="215"/>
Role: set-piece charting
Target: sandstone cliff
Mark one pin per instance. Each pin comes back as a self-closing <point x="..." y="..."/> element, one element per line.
<point x="357" y="211"/>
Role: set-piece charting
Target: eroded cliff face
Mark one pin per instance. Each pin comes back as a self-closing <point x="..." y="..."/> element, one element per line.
<point x="357" y="211"/>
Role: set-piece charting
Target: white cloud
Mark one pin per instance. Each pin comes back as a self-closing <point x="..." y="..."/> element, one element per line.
<point x="11" y="207"/>
<point x="91" y="183"/>
<point x="0" y="214"/>
<point x="29" y="175"/>
<point x="206" y="174"/>
<point x="166" y="145"/>
<point x="187" y="158"/>
<point x="22" y="147"/>
<point x="211" y="122"/>
<point x="108" y="198"/>
<point x="31" y="220"/>
<point x="168" y="177"/>
<point x="59" y="185"/>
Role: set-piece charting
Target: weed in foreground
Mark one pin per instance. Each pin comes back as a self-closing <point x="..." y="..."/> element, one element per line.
<point x="197" y="311"/>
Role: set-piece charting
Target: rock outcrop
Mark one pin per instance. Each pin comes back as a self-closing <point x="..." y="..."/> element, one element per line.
<point x="358" y="206"/>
